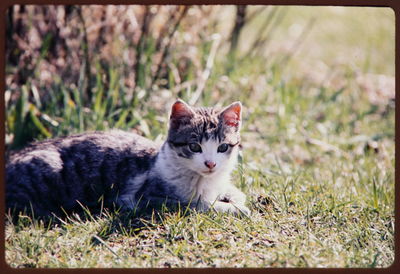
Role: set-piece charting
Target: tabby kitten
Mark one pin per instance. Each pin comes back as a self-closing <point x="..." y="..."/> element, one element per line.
<point x="124" y="169"/>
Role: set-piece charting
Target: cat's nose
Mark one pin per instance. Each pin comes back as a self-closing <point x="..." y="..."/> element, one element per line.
<point x="210" y="164"/>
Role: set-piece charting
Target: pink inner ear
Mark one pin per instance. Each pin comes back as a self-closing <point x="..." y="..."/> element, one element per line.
<point x="180" y="110"/>
<point x="231" y="115"/>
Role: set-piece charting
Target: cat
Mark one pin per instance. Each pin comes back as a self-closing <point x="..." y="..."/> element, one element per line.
<point x="117" y="168"/>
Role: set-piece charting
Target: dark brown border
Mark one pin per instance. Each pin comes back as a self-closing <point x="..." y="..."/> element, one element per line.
<point x="395" y="5"/>
<point x="372" y="3"/>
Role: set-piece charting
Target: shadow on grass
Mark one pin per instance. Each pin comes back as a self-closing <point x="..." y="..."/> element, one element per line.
<point x="113" y="220"/>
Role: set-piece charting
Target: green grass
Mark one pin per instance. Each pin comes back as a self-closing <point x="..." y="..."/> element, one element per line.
<point x="317" y="163"/>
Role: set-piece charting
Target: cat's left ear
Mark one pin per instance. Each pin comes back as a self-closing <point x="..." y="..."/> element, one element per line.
<point x="181" y="113"/>
<point x="232" y="115"/>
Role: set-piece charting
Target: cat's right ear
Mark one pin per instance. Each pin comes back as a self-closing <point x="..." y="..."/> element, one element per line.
<point x="180" y="113"/>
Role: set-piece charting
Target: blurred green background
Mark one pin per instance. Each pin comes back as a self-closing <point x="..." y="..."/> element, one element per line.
<point x="75" y="68"/>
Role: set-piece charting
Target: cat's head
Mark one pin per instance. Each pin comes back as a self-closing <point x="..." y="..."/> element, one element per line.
<point x="205" y="140"/>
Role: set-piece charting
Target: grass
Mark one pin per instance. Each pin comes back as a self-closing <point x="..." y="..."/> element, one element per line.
<point x="317" y="163"/>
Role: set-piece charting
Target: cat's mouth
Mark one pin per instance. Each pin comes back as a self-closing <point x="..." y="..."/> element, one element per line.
<point x="208" y="172"/>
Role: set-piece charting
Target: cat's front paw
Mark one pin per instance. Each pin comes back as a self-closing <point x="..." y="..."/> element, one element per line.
<point x="227" y="207"/>
<point x="245" y="211"/>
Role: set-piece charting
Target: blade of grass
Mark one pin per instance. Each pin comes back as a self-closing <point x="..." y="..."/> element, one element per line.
<point x="33" y="111"/>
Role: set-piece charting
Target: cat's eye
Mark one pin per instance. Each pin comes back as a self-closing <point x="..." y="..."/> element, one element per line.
<point x="194" y="147"/>
<point x="223" y="148"/>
